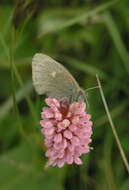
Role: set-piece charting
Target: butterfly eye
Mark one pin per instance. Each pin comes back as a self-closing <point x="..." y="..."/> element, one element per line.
<point x="86" y="95"/>
<point x="81" y="96"/>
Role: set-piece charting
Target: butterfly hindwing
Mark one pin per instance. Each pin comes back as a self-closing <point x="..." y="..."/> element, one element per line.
<point x="51" y="78"/>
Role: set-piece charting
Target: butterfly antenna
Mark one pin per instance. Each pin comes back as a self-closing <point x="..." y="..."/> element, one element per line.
<point x="92" y="88"/>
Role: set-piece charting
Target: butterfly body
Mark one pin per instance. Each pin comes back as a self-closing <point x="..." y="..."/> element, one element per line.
<point x="54" y="80"/>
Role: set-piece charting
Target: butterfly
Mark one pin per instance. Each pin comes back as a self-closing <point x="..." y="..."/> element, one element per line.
<point x="54" y="80"/>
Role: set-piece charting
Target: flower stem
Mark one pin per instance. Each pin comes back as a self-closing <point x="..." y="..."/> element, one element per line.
<point x="112" y="126"/>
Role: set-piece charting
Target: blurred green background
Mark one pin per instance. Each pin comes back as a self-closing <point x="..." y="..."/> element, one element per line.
<point x="88" y="37"/>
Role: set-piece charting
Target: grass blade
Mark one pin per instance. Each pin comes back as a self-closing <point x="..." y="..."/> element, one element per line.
<point x="20" y="94"/>
<point x="114" y="32"/>
<point x="19" y="79"/>
<point x="112" y="126"/>
<point x="87" y="68"/>
<point x="82" y="17"/>
<point x="30" y="104"/>
<point x="13" y="85"/>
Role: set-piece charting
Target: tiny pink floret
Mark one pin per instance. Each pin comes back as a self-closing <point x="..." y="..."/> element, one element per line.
<point x="67" y="129"/>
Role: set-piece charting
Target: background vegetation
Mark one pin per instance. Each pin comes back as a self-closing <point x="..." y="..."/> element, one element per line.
<point x="88" y="37"/>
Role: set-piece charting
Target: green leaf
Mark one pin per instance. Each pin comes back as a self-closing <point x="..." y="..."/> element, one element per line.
<point x="19" y="169"/>
<point x="54" y="25"/>
<point x="116" y="37"/>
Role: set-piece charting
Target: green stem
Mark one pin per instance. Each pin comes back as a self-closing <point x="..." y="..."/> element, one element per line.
<point x="13" y="83"/>
<point x="112" y="126"/>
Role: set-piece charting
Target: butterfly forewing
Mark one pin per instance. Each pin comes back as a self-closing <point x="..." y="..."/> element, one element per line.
<point x="52" y="79"/>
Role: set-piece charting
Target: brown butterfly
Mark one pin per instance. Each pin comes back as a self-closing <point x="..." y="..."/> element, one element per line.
<point x="54" y="80"/>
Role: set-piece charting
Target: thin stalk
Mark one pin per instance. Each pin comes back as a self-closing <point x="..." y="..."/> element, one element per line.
<point x="13" y="84"/>
<point x="14" y="71"/>
<point x="112" y="126"/>
<point x="30" y="104"/>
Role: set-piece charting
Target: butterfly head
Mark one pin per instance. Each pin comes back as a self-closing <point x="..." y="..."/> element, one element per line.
<point x="82" y="95"/>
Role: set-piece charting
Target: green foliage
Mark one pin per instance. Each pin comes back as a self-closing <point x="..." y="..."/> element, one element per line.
<point x="89" y="38"/>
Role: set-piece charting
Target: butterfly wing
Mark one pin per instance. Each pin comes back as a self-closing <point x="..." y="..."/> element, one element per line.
<point x="51" y="78"/>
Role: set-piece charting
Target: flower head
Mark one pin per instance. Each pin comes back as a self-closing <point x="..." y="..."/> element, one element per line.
<point x="67" y="130"/>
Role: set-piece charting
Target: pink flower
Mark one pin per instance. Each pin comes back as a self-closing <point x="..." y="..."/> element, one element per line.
<point x="67" y="130"/>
